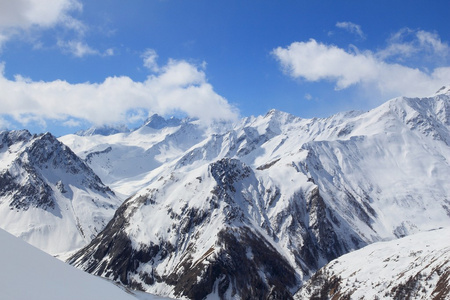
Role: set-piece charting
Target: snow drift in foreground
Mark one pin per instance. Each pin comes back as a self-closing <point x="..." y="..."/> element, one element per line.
<point x="414" y="267"/>
<point x="28" y="273"/>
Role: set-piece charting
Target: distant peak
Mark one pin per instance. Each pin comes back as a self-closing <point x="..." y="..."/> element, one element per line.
<point x="272" y="112"/>
<point x="11" y="137"/>
<point x="103" y="130"/>
<point x="47" y="136"/>
<point x="280" y="116"/>
<point x="443" y="90"/>
<point x="276" y="113"/>
<point x="158" y="122"/>
<point x="24" y="133"/>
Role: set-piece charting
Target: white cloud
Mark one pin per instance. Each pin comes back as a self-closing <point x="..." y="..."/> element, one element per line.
<point x="109" y="52"/>
<point x="314" y="61"/>
<point x="81" y="49"/>
<point x="150" y="56"/>
<point x="407" y="43"/>
<point x="432" y="42"/>
<point x="72" y="123"/>
<point x="16" y="15"/>
<point x="179" y="86"/>
<point x="4" y="125"/>
<point x="77" y="48"/>
<point x="27" y="13"/>
<point x="351" y="27"/>
<point x="26" y="18"/>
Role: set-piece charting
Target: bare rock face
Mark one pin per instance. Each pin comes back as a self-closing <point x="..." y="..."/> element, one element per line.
<point x="34" y="192"/>
<point x="236" y="268"/>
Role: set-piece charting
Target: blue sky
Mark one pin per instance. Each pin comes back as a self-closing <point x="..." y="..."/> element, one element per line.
<point x="71" y="64"/>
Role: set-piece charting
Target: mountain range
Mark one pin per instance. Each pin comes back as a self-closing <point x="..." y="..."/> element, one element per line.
<point x="257" y="209"/>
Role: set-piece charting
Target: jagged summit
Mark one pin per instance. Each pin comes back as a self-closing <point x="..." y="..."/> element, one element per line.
<point x="48" y="195"/>
<point x="157" y="122"/>
<point x="7" y="138"/>
<point x="279" y="118"/>
<point x="445" y="90"/>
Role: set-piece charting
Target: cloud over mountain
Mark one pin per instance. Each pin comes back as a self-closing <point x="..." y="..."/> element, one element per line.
<point x="177" y="87"/>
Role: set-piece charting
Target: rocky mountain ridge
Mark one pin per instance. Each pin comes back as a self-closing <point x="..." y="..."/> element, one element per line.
<point x="49" y="197"/>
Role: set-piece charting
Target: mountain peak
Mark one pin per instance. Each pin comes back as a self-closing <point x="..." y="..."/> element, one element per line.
<point x="40" y="179"/>
<point x="276" y="119"/>
<point x="157" y="122"/>
<point x="445" y="90"/>
<point x="7" y="138"/>
<point x="104" y="130"/>
<point x="277" y="113"/>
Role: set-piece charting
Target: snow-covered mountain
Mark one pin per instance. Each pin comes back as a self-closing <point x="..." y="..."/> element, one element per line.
<point x="255" y="210"/>
<point x="48" y="196"/>
<point x="126" y="161"/>
<point x="103" y="130"/>
<point x="413" y="267"/>
<point x="158" y="122"/>
<point x="28" y="273"/>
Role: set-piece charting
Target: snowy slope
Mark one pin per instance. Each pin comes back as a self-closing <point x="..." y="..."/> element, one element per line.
<point x="28" y="273"/>
<point x="413" y="267"/>
<point x="125" y="161"/>
<point x="279" y="195"/>
<point x="48" y="196"/>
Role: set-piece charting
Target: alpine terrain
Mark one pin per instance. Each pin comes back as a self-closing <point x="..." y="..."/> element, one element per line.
<point x="413" y="267"/>
<point x="49" y="197"/>
<point x="252" y="210"/>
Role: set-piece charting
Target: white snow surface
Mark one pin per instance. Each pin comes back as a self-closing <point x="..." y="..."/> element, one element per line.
<point x="28" y="273"/>
<point x="125" y="161"/>
<point x="372" y="272"/>
<point x="79" y="209"/>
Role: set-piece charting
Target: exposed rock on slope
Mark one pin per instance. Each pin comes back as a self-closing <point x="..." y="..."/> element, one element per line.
<point x="48" y="196"/>
<point x="414" y="267"/>
<point x="203" y="241"/>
